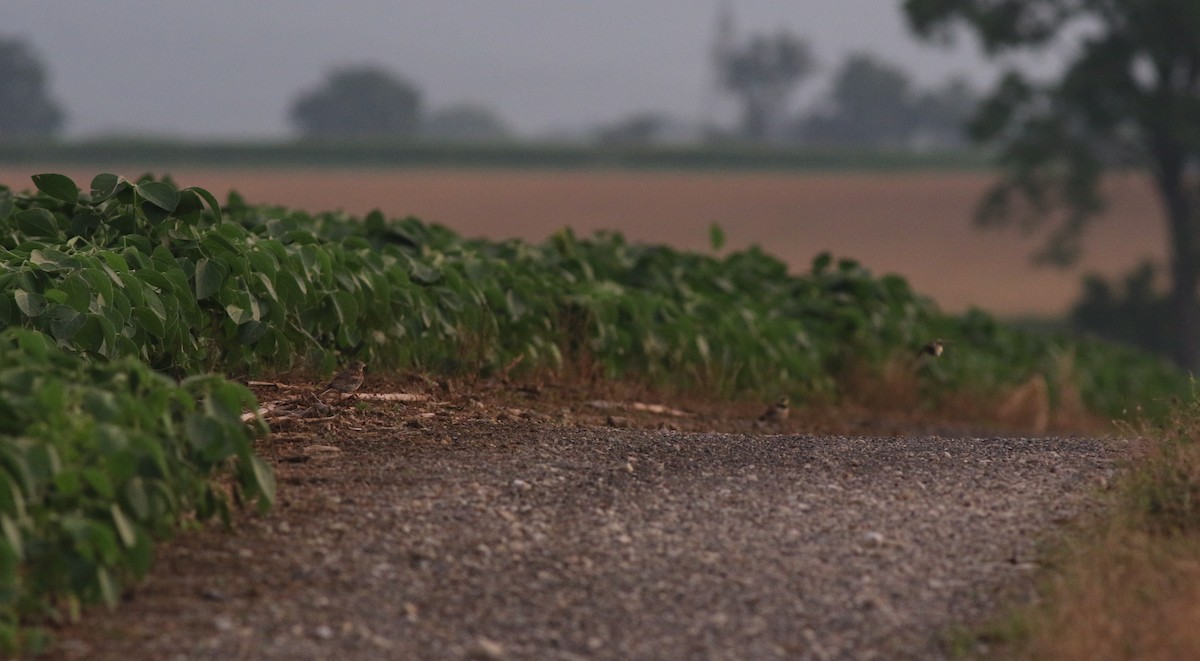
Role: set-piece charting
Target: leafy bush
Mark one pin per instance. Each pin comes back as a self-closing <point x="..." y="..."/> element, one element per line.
<point x="99" y="453"/>
<point x="1135" y="311"/>
<point x="98" y="459"/>
<point x="144" y="269"/>
<point x="738" y="324"/>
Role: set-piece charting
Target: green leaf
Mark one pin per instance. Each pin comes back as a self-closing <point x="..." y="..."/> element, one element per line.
<point x="51" y="260"/>
<point x="43" y="461"/>
<point x="99" y="282"/>
<point x="210" y="275"/>
<point x="57" y="186"/>
<point x="115" y="261"/>
<point x="84" y="223"/>
<point x="37" y="223"/>
<point x="107" y="185"/>
<point x="64" y="322"/>
<point x="209" y="199"/>
<point x="67" y="483"/>
<point x="160" y="194"/>
<point x="97" y="479"/>
<point x="424" y="273"/>
<point x="56" y="295"/>
<point x="515" y="305"/>
<point x="31" y="304"/>
<point x="149" y="321"/>
<point x="821" y="262"/>
<point x="346" y="307"/>
<point x="216" y="244"/>
<point x="79" y="292"/>
<point x="12" y="534"/>
<point x="125" y="528"/>
<point x="138" y="499"/>
<point x="12" y="498"/>
<point x="291" y="286"/>
<point x="239" y="313"/>
<point x="703" y="349"/>
<point x="141" y="556"/>
<point x="268" y="287"/>
<point x="252" y="331"/>
<point x="108" y="588"/>
<point x="36" y="345"/>
<point x="206" y="436"/>
<point x="264" y="481"/>
<point x="154" y="215"/>
<point x="263" y="262"/>
<point x="6" y="204"/>
<point x="316" y="262"/>
<point x="97" y="335"/>
<point x="716" y="237"/>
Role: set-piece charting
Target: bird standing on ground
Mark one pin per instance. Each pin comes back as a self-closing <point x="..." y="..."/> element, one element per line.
<point x="778" y="412"/>
<point x="347" y="380"/>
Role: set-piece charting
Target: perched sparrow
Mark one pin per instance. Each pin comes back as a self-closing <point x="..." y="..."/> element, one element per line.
<point x="347" y="380"/>
<point x="778" y="412"/>
<point x="933" y="348"/>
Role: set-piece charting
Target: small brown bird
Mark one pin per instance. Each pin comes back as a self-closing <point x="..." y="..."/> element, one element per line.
<point x="347" y="380"/>
<point x="933" y="348"/>
<point x="778" y="412"/>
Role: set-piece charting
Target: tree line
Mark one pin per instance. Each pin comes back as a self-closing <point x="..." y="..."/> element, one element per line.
<point x="871" y="104"/>
<point x="351" y="102"/>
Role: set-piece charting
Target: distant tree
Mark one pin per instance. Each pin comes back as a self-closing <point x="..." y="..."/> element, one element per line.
<point x="359" y="102"/>
<point x="871" y="105"/>
<point x="638" y="129"/>
<point x="1131" y="89"/>
<point x="26" y="109"/>
<point x="940" y="116"/>
<point x="466" y="122"/>
<point x="765" y="73"/>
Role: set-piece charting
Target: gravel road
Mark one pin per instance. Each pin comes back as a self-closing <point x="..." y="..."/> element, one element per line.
<point x="519" y="540"/>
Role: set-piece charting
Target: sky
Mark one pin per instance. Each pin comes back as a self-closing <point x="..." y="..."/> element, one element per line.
<point x="230" y="69"/>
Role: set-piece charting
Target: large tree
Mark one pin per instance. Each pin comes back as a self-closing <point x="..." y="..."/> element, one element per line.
<point x="765" y="73"/>
<point x="1129" y="95"/>
<point x="359" y="102"/>
<point x="26" y="109"/>
<point x="870" y="105"/>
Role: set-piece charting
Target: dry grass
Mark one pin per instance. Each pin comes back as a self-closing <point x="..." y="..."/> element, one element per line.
<point x="1125" y="585"/>
<point x="1121" y="594"/>
<point x="896" y="391"/>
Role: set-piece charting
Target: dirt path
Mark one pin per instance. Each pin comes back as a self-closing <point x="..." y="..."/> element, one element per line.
<point x="532" y="539"/>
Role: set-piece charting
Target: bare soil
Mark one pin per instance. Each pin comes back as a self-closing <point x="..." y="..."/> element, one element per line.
<point x="520" y="522"/>
<point x="916" y="224"/>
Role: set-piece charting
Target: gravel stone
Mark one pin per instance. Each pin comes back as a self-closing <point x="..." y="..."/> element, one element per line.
<point x="530" y="540"/>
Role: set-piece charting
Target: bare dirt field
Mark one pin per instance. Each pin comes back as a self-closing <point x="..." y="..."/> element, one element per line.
<point x="916" y="224"/>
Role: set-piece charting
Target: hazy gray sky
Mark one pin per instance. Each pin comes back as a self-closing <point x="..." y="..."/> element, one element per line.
<point x="231" y="68"/>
